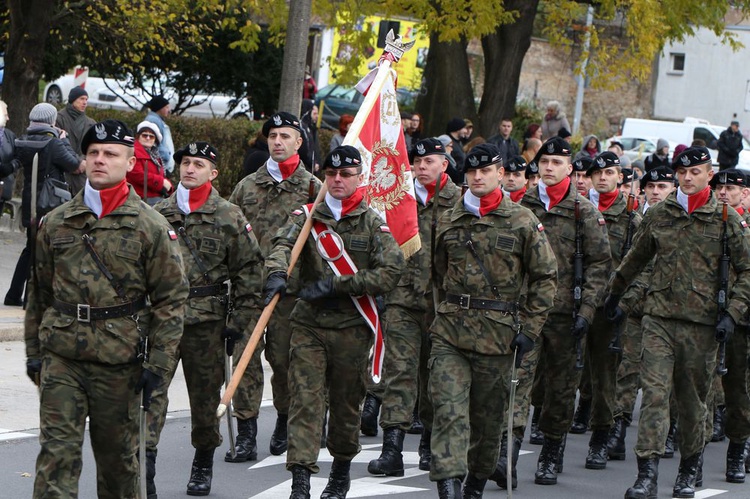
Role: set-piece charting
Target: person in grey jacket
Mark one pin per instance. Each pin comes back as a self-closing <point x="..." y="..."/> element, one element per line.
<point x="160" y="109"/>
<point x="74" y="121"/>
<point x="554" y="120"/>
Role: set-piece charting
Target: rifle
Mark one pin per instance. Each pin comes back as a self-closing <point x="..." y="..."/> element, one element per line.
<point x="578" y="277"/>
<point x="614" y="345"/>
<point x="721" y="298"/>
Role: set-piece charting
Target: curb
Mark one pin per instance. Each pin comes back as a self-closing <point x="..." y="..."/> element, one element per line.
<point x="11" y="332"/>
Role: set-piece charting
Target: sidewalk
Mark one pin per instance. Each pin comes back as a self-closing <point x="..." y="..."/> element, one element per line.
<point x="19" y="400"/>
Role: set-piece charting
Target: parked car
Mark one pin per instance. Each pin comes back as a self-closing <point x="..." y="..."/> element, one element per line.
<point x="638" y="147"/>
<point x="346" y="100"/>
<point x="110" y="93"/>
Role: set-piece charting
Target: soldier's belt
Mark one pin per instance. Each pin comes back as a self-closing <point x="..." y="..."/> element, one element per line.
<point x="212" y="290"/>
<point x="467" y="301"/>
<point x="86" y="313"/>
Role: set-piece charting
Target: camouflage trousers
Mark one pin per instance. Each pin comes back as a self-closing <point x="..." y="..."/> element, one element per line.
<point x="678" y="357"/>
<point x="629" y="370"/>
<point x="249" y="394"/>
<point x="560" y="377"/>
<point x="525" y="375"/>
<point x="470" y="397"/>
<point x="324" y="363"/>
<point x="278" y="335"/>
<point x="733" y="388"/>
<point x="405" y="375"/>
<point x="601" y="364"/>
<point x="201" y="352"/>
<point x="71" y="391"/>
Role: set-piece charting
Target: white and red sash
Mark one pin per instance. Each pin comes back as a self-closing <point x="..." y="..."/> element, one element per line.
<point x="332" y="250"/>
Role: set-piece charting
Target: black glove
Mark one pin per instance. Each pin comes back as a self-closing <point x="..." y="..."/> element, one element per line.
<point x="230" y="336"/>
<point x="580" y="327"/>
<point x="34" y="369"/>
<point x="724" y="329"/>
<point x="611" y="309"/>
<point x="522" y="344"/>
<point x="275" y="283"/>
<point x="148" y="383"/>
<point x="318" y="289"/>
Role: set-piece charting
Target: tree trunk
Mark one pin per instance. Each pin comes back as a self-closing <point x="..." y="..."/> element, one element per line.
<point x="295" y="54"/>
<point x="24" y="58"/>
<point x="504" y="51"/>
<point x="449" y="93"/>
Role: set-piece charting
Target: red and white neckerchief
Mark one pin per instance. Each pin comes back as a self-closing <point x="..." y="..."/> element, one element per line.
<point x="189" y="200"/>
<point x="340" y="208"/>
<point x="603" y="200"/>
<point x="331" y="248"/>
<point x="551" y="195"/>
<point x="479" y="207"/>
<point x="425" y="192"/>
<point x="284" y="170"/>
<point x="104" y="201"/>
<point x="692" y="202"/>
<point x="516" y="196"/>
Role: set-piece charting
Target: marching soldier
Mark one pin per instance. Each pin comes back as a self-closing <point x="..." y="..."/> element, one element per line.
<point x="580" y="180"/>
<point x="488" y="249"/>
<point x="576" y="231"/>
<point x="532" y="175"/>
<point x="687" y="236"/>
<point x="514" y="180"/>
<point x="349" y="256"/>
<point x="99" y="259"/>
<point x="409" y="312"/>
<point x="217" y="245"/>
<point x="267" y="197"/>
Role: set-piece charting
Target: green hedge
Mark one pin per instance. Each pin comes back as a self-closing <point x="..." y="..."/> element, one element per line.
<point x="230" y="137"/>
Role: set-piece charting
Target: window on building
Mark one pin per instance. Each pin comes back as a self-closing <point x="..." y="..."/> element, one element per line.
<point x="676" y="63"/>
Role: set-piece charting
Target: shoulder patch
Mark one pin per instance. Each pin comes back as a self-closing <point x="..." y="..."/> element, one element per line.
<point x="172" y="235"/>
<point x="601" y="221"/>
<point x="248" y="227"/>
<point x="385" y="228"/>
<point x="743" y="223"/>
<point x="297" y="212"/>
<point x="540" y="227"/>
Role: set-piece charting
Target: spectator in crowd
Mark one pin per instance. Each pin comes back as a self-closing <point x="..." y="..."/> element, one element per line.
<point x="554" y="120"/>
<point x="159" y="109"/>
<point x="406" y="126"/>
<point x="309" y="88"/>
<point x="617" y="148"/>
<point x="530" y="148"/>
<point x="309" y="121"/>
<point x="345" y="122"/>
<point x="591" y="147"/>
<point x="730" y="145"/>
<point x="660" y="157"/>
<point x="74" y="121"/>
<point x="564" y="133"/>
<point x="506" y="144"/>
<point x="533" y="131"/>
<point x="8" y="162"/>
<point x="473" y="142"/>
<point x="447" y="142"/>
<point x="456" y="129"/>
<point x="467" y="132"/>
<point x="415" y="130"/>
<point x="256" y="154"/>
<point x="147" y="176"/>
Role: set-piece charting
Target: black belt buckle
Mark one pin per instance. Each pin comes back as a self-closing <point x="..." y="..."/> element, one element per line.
<point x="83" y="312"/>
<point x="464" y="301"/>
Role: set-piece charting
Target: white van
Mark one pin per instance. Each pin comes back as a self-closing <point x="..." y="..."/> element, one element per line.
<point x="684" y="133"/>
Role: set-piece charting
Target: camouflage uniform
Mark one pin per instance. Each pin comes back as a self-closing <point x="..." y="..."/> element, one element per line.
<point x="267" y="205"/>
<point x="470" y="362"/>
<point x="330" y="342"/>
<point x="679" y="349"/>
<point x="90" y="368"/>
<point x="228" y="250"/>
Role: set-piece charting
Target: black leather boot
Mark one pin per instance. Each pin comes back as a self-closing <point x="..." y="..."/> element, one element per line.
<point x="369" y="420"/>
<point x="561" y="455"/>
<point x="245" y="445"/>
<point x="500" y="476"/>
<point x="338" y="480"/>
<point x="736" y="462"/>
<point x="699" y="472"/>
<point x="474" y="487"/>
<point x="616" y="450"/>
<point x="279" y="442"/>
<point x="201" y="473"/>
<point x="150" y="474"/>
<point x="425" y="451"/>
<point x="645" y="486"/>
<point x="687" y="474"/>
<point x="719" y="417"/>
<point x="391" y="461"/>
<point x="546" y="467"/>
<point x="300" y="482"/>
<point x="581" y="418"/>
<point x="416" y="423"/>
<point x="597" y="458"/>
<point x="669" y="443"/>
<point x="536" y="437"/>
<point x="449" y="488"/>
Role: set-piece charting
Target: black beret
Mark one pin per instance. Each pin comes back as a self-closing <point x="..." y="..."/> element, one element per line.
<point x="532" y="169"/>
<point x="582" y="164"/>
<point x="343" y="157"/>
<point x="107" y="132"/>
<point x="428" y="146"/>
<point x="658" y="174"/>
<point x="607" y="159"/>
<point x="564" y="133"/>
<point x="692" y="156"/>
<point x="482" y="155"/>
<point x="516" y="164"/>
<point x="555" y="146"/>
<point x="627" y="176"/>
<point x="454" y="125"/>
<point x="157" y="102"/>
<point x="281" y="119"/>
<point x="197" y="150"/>
<point x="731" y="176"/>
